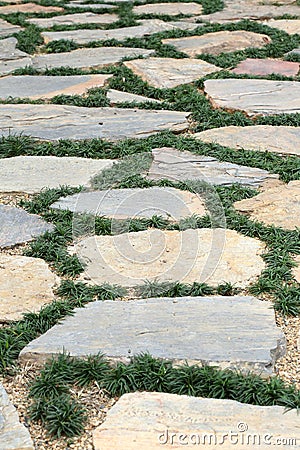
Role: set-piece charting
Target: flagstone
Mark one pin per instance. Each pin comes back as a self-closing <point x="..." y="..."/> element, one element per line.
<point x="263" y="138"/>
<point x="184" y="25"/>
<point x="121" y="96"/>
<point x="7" y="28"/>
<point x="296" y="51"/>
<point x="12" y="58"/>
<point x="296" y="275"/>
<point x="170" y="72"/>
<point x="170" y="9"/>
<point x="52" y="122"/>
<point x="218" y="42"/>
<point x="72" y="19"/>
<point x="290" y="26"/>
<point x="26" y="284"/>
<point x="154" y="420"/>
<point x="31" y="174"/>
<point x="244" y="334"/>
<point x="252" y="66"/>
<point x="90" y="5"/>
<point x="176" y="165"/>
<point x="29" y="8"/>
<point x="279" y="206"/>
<point x="255" y="97"/>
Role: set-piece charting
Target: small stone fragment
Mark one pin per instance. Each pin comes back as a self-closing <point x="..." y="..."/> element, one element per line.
<point x="116" y="97"/>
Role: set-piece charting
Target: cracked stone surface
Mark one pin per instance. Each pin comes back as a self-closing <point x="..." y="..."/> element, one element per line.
<point x="244" y="334"/>
<point x="29" y="8"/>
<point x="31" y="174"/>
<point x="252" y="66"/>
<point x="277" y="139"/>
<point x="121" y="96"/>
<point x="255" y="97"/>
<point x="12" y="58"/>
<point x="7" y="28"/>
<point x="279" y="206"/>
<point x="52" y="122"/>
<point x="26" y="284"/>
<point x="170" y="72"/>
<point x="218" y="42"/>
<point x="72" y="19"/>
<point x="290" y="26"/>
<point x="170" y="9"/>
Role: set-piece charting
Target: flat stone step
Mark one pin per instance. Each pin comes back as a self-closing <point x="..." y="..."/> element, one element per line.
<point x="7" y="28"/>
<point x="12" y="58"/>
<point x="252" y="66"/>
<point x="73" y="19"/>
<point x="152" y="420"/>
<point x="170" y="9"/>
<point x="116" y="97"/>
<point x="29" y="8"/>
<point x="290" y="26"/>
<point x="235" y="332"/>
<point x="255" y="97"/>
<point x="31" y="174"/>
<point x="52" y="122"/>
<point x="206" y="255"/>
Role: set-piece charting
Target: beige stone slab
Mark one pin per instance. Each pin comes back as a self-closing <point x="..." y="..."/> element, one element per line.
<point x="218" y="42"/>
<point x="12" y="58"/>
<point x="90" y="5"/>
<point x="296" y="275"/>
<point x="185" y="25"/>
<point x="170" y="9"/>
<point x="170" y="72"/>
<point x="73" y="19"/>
<point x="26" y="284"/>
<point x="290" y="26"/>
<point x="116" y="97"/>
<point x="7" y="28"/>
<point x="29" y="8"/>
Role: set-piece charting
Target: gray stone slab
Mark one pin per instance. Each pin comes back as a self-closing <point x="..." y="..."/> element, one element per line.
<point x="90" y="5"/>
<point x="185" y="25"/>
<point x="73" y="19"/>
<point x="31" y="174"/>
<point x="296" y="51"/>
<point x="255" y="97"/>
<point x="18" y="226"/>
<point x="235" y="332"/>
<point x="52" y="122"/>
<point x="7" y="28"/>
<point x="116" y="97"/>
<point x="12" y="58"/>
<point x="29" y="8"/>
<point x="170" y="9"/>
<point x="181" y="166"/>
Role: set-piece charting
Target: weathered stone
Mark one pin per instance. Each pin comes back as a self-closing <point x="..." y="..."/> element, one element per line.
<point x="170" y="72"/>
<point x="32" y="173"/>
<point x="235" y="332"/>
<point x="218" y="42"/>
<point x="181" y="166"/>
<point x="290" y="26"/>
<point x="170" y="9"/>
<point x="52" y="122"/>
<point x="296" y="273"/>
<point x="72" y="19"/>
<point x="296" y="51"/>
<point x="18" y="226"/>
<point x="279" y="206"/>
<point x="7" y="28"/>
<point x="13" y="434"/>
<point x="255" y="97"/>
<point x="251" y="66"/>
<point x="90" y="5"/>
<point x="26" y="284"/>
<point x="152" y="421"/>
<point x="184" y="25"/>
<point x="85" y="58"/>
<point x="29" y="8"/>
<point x="12" y="58"/>
<point x="121" y="96"/>
<point x="277" y="139"/>
<point x="35" y="87"/>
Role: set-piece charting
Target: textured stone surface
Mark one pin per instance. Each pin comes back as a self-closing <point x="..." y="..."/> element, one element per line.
<point x="252" y="66"/>
<point x="90" y="5"/>
<point x="185" y="25"/>
<point x="218" y="42"/>
<point x="72" y="19"/>
<point x="153" y="421"/>
<point x="52" y="122"/>
<point x="277" y="139"/>
<point x="13" y="434"/>
<point x="32" y="173"/>
<point x="29" y="8"/>
<point x="18" y="226"/>
<point x="12" y="58"/>
<point x="290" y="26"/>
<point x="180" y="166"/>
<point x="255" y="96"/>
<point x="84" y="58"/>
<point x="7" y="28"/>
<point x="170" y="9"/>
<point x="121" y="96"/>
<point x="170" y="72"/>
<point x="296" y="51"/>
<point x="296" y="275"/>
<point x="203" y="255"/>
<point x="279" y="206"/>
<point x="26" y="284"/>
<point x="236" y="332"/>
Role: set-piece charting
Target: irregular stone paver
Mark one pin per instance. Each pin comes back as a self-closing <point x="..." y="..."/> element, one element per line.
<point x="180" y="166"/>
<point x="252" y="66"/>
<point x="13" y="435"/>
<point x="12" y="58"/>
<point x="184" y="25"/>
<point x="203" y="255"/>
<point x="279" y="206"/>
<point x="35" y="87"/>
<point x="26" y="284"/>
<point x="152" y="420"/>
<point x="31" y="174"/>
<point x="296" y="275"/>
<point x="18" y="226"/>
<point x="52" y="122"/>
<point x="290" y="26"/>
<point x="255" y="96"/>
<point x="72" y="19"/>
<point x="85" y="58"/>
<point x="7" y="28"/>
<point x="90" y="5"/>
<point x="29" y="8"/>
<point x="121" y="96"/>
<point x="296" y="51"/>
<point x="244" y="334"/>
<point x="277" y="139"/>
<point x="170" y="72"/>
<point x="170" y="9"/>
<point x="218" y="42"/>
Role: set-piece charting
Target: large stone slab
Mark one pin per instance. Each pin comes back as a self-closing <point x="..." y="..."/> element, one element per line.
<point x="290" y="26"/>
<point x="170" y="9"/>
<point x="252" y="66"/>
<point x="181" y="166"/>
<point x="116" y="97"/>
<point x="13" y="434"/>
<point x="26" y="284"/>
<point x="31" y="174"/>
<point x="85" y="58"/>
<point x="73" y="19"/>
<point x="12" y="58"/>
<point x="218" y="42"/>
<point x="18" y="226"/>
<point x="90" y="5"/>
<point x="263" y="138"/>
<point x="167" y="202"/>
<point x="7" y="28"/>
<point x="235" y="332"/>
<point x="255" y="97"/>
<point x="52" y="122"/>
<point x="29" y="8"/>
<point x="152" y="420"/>
<point x="202" y="255"/>
<point x="170" y="72"/>
<point x="279" y="206"/>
